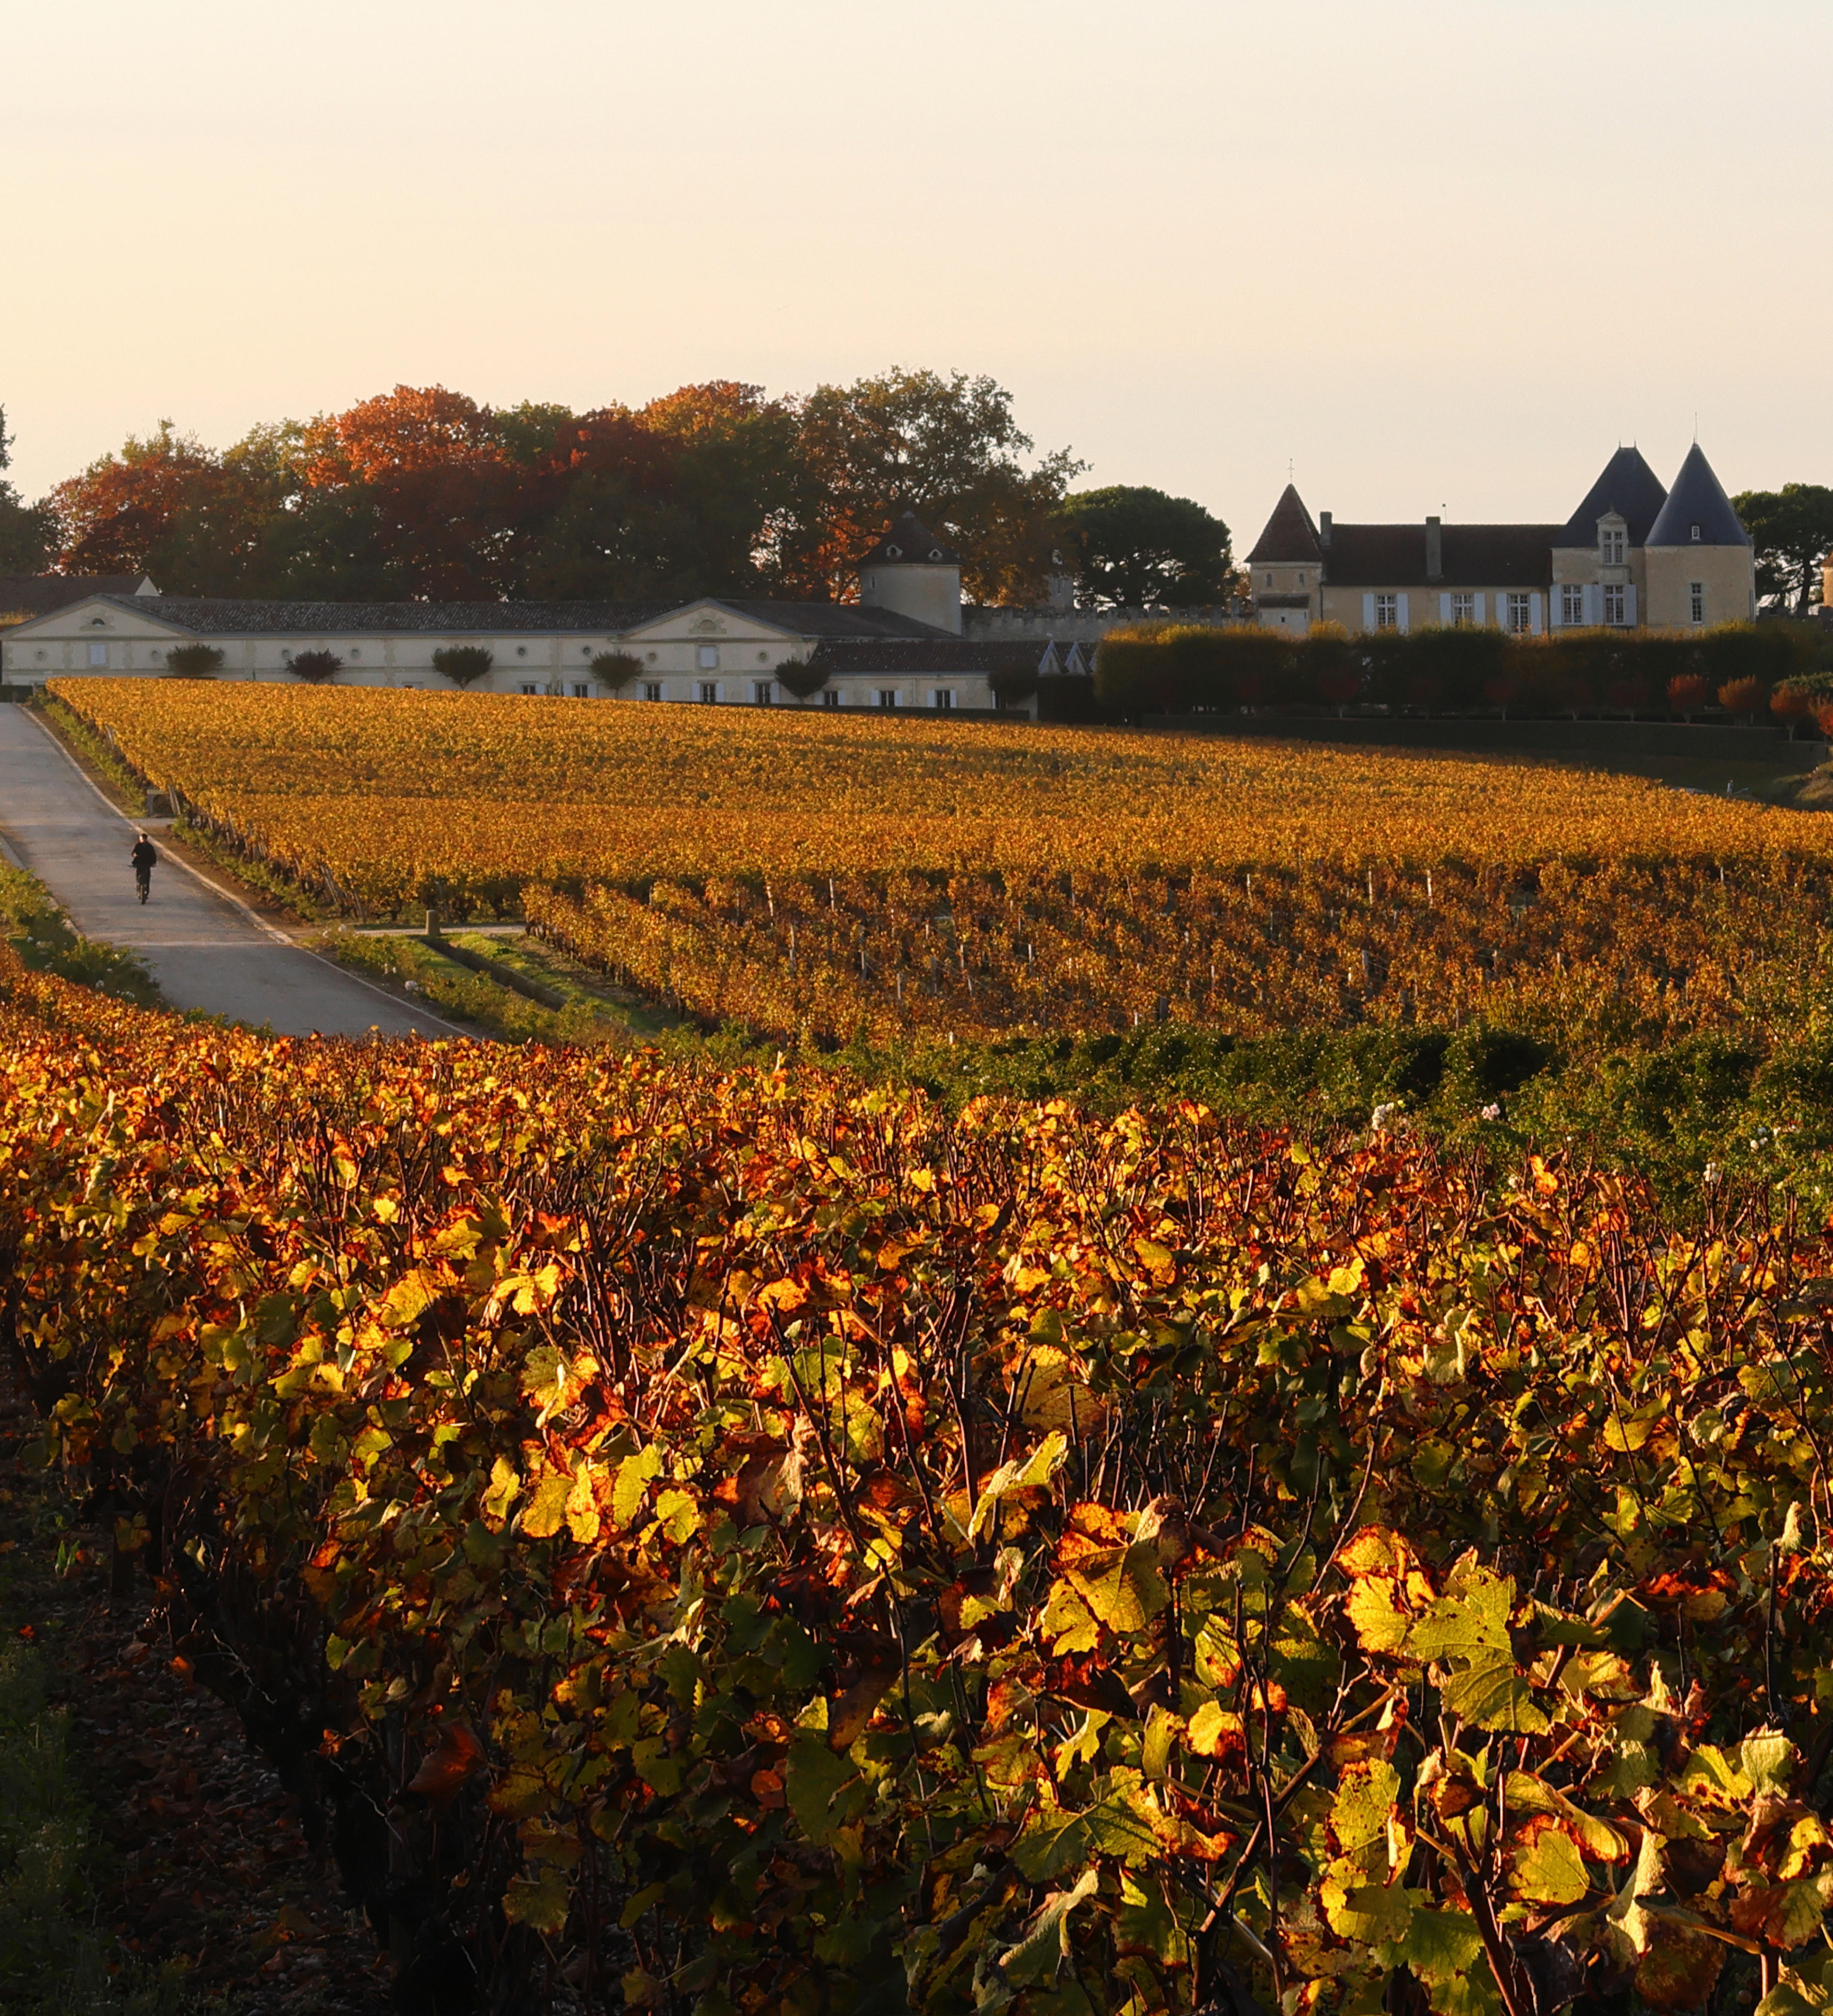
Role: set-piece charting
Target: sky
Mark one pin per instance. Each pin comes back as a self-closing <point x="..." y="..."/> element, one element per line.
<point x="1430" y="255"/>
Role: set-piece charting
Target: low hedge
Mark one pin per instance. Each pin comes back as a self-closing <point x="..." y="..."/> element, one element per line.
<point x="1181" y="668"/>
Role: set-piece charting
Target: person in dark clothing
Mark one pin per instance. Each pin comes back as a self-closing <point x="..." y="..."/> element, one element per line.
<point x="143" y="857"/>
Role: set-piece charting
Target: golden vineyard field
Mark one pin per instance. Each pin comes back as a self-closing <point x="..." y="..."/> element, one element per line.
<point x="798" y="872"/>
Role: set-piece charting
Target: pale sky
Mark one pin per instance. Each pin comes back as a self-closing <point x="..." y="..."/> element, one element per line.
<point x="1438" y="253"/>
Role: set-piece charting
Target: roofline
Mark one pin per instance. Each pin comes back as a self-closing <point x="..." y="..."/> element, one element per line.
<point x="716" y="601"/>
<point x="133" y="605"/>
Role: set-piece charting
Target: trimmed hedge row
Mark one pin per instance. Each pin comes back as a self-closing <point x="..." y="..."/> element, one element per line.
<point x="1180" y="668"/>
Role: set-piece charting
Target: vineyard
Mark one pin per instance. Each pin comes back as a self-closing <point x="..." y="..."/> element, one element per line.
<point x="835" y="880"/>
<point x="700" y="1542"/>
<point x="1623" y="949"/>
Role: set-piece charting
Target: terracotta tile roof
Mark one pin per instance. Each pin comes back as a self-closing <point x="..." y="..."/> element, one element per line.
<point x="1289" y="533"/>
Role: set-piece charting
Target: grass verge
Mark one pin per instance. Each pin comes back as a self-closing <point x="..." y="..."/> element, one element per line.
<point x="127" y="787"/>
<point x="456" y="991"/>
<point x="45" y="940"/>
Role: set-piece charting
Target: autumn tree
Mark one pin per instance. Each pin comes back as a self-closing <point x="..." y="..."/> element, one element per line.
<point x="716" y="489"/>
<point x="1132" y="547"/>
<point x="112" y="517"/>
<point x="947" y="449"/>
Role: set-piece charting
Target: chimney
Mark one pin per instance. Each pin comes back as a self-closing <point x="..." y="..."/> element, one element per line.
<point x="1323" y="529"/>
<point x="1434" y="549"/>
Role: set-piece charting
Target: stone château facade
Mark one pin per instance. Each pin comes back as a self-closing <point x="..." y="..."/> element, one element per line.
<point x="1633" y="555"/>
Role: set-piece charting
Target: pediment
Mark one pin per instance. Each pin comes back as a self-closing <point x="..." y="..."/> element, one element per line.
<point x="98" y="618"/>
<point x="701" y="621"/>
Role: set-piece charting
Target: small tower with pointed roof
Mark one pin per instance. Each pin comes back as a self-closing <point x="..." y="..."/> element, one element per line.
<point x="1701" y="567"/>
<point x="1599" y="574"/>
<point x="1285" y="569"/>
<point x="910" y="572"/>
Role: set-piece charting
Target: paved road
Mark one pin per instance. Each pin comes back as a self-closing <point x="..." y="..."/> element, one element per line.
<point x="207" y="949"/>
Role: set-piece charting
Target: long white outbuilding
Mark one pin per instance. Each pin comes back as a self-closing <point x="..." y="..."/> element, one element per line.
<point x="879" y="652"/>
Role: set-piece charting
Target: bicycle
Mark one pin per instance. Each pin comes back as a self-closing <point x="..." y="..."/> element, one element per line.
<point x="143" y="882"/>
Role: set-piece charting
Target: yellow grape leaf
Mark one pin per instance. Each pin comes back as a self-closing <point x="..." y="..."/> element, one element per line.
<point x="1068" y="1621"/>
<point x="1214" y="1730"/>
<point x="632" y="1488"/>
<point x="1121" y="1585"/>
<point x="1767" y="1760"/>
<point x="547" y="1511"/>
<point x="1037" y="1469"/>
<point x="1381" y="1625"/>
<point x="504" y="1484"/>
<point x="1371" y="1913"/>
<point x="583" y="1520"/>
<point x="1471" y="1623"/>
<point x="1493" y="1695"/>
<point x="1548" y="1869"/>
<point x="1365" y="1798"/>
<point x="405" y="1300"/>
<point x="1374" y="1550"/>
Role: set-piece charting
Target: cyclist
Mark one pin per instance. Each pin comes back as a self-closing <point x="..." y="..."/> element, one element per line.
<point x="143" y="857"/>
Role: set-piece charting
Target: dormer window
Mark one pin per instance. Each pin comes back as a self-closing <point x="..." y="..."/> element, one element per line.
<point x="894" y="552"/>
<point x="1611" y="545"/>
<point x="1696" y="536"/>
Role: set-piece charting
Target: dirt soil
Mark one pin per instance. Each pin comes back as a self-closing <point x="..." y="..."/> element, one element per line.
<point x="197" y="1861"/>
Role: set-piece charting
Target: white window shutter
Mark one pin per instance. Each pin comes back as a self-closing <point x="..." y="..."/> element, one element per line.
<point x="1591" y="601"/>
<point x="1534" y="622"/>
<point x="1479" y="608"/>
<point x="1629" y="603"/>
<point x="1400" y="611"/>
<point x="1444" y="609"/>
<point x="1368" y="613"/>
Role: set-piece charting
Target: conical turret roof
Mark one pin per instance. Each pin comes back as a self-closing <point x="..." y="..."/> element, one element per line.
<point x="911" y="543"/>
<point x="1628" y="487"/>
<point x="1697" y="499"/>
<point x="1290" y="534"/>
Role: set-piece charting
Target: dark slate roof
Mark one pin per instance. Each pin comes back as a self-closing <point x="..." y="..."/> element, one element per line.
<point x="1697" y="499"/>
<point x="943" y="655"/>
<point x="222" y="616"/>
<point x="837" y="619"/>
<point x="1290" y="534"/>
<point x="1473" y="556"/>
<point x="39" y="594"/>
<point x="911" y="543"/>
<point x="206" y="616"/>
<point x="1629" y="487"/>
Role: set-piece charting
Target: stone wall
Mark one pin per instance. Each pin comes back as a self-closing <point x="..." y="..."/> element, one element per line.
<point x="1076" y="626"/>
